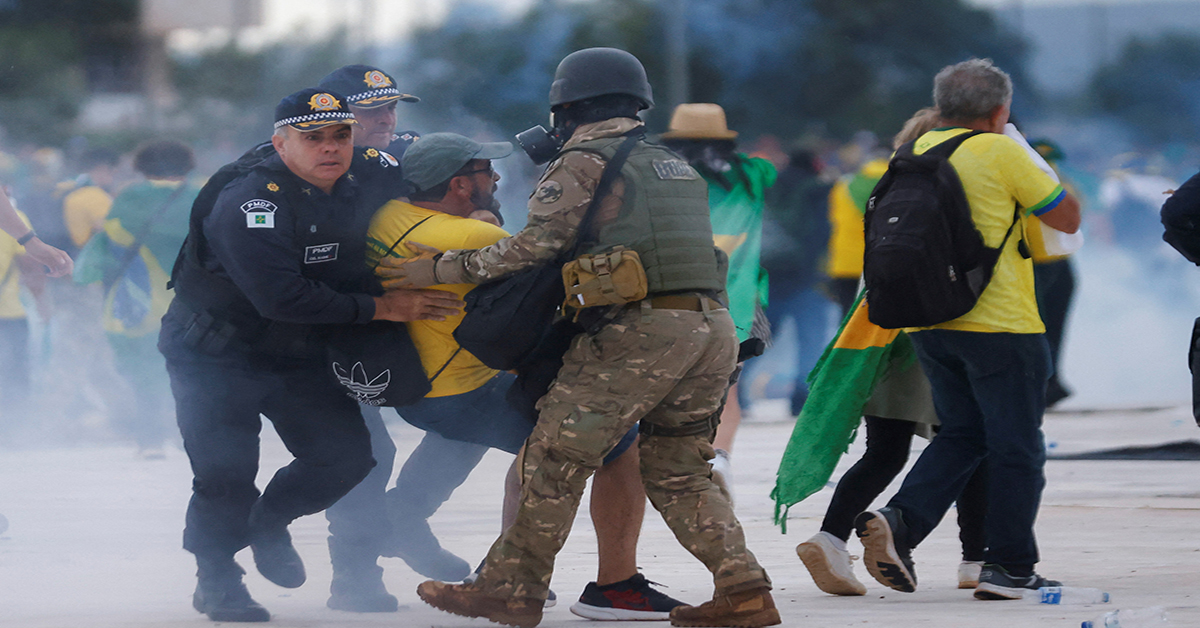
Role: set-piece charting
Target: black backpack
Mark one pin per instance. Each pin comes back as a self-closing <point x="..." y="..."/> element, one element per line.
<point x="925" y="262"/>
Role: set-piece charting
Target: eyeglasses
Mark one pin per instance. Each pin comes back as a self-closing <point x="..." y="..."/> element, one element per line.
<point x="490" y="170"/>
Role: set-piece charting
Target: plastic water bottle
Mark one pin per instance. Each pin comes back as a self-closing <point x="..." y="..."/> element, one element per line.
<point x="1153" y="617"/>
<point x="1068" y="596"/>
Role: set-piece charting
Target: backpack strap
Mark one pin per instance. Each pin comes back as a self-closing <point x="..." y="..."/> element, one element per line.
<point x="611" y="170"/>
<point x="398" y="241"/>
<point x="118" y="271"/>
<point x="946" y="148"/>
<point x="389" y="252"/>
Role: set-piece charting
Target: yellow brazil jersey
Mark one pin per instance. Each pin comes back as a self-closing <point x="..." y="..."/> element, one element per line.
<point x="10" y="276"/>
<point x="998" y="176"/>
<point x="83" y="209"/>
<point x="845" y="234"/>
<point x="846" y="243"/>
<point x="435" y="343"/>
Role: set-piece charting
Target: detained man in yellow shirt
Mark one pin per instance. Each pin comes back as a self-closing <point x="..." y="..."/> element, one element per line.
<point x="454" y="181"/>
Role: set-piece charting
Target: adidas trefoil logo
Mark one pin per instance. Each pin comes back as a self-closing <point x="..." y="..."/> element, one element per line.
<point x="362" y="389"/>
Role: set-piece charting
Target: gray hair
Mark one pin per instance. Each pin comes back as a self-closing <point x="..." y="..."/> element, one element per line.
<point x="971" y="90"/>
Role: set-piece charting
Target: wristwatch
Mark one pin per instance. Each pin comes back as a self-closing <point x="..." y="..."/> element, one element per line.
<point x="27" y="237"/>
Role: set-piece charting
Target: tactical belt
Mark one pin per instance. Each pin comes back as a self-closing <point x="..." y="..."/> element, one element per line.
<point x="704" y="427"/>
<point x="215" y="335"/>
<point x="690" y="302"/>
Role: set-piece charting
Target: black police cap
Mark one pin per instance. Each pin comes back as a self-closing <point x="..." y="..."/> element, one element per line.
<point x="312" y="108"/>
<point x="364" y="86"/>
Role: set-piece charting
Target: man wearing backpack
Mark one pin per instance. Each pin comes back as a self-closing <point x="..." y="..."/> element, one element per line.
<point x="988" y="367"/>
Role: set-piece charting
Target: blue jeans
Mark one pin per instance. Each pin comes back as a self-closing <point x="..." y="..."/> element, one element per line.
<point x="459" y="429"/>
<point x="989" y="393"/>
<point x="482" y="416"/>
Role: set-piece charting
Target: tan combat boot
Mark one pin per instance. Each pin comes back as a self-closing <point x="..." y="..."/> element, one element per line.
<point x="469" y="601"/>
<point x="745" y="609"/>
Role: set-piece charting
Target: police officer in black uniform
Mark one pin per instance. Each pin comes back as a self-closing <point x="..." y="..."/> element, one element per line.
<point x="276" y="264"/>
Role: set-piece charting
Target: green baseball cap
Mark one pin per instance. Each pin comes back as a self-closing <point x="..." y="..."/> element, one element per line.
<point x="436" y="157"/>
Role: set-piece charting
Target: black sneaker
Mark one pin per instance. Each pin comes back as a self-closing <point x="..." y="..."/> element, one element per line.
<point x="274" y="554"/>
<point x="995" y="583"/>
<point x="415" y="544"/>
<point x="362" y="592"/>
<point x="628" y="600"/>
<point x="886" y="553"/>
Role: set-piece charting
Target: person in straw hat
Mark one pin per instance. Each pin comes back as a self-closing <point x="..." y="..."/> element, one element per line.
<point x="736" y="187"/>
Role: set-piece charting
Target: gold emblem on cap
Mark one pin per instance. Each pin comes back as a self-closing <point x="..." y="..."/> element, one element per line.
<point x="376" y="79"/>
<point x="272" y="187"/>
<point x="324" y="102"/>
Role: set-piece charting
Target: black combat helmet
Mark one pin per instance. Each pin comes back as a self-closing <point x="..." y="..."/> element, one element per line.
<point x="595" y="72"/>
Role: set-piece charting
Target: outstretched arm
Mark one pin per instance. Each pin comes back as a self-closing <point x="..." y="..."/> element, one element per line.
<point x="56" y="261"/>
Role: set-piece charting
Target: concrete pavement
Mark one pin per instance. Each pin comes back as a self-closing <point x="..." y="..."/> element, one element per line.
<point x="95" y="539"/>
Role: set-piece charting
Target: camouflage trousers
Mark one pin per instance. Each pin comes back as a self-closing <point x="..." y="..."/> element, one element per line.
<point x="666" y="367"/>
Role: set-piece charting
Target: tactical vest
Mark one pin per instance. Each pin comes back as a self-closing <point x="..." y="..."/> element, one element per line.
<point x="664" y="217"/>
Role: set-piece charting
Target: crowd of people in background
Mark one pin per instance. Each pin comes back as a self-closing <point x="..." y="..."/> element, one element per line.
<point x="810" y="251"/>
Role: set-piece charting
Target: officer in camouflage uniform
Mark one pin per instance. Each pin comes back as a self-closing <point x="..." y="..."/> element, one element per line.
<point x="664" y="360"/>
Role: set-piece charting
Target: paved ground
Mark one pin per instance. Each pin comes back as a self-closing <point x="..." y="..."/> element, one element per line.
<point x="95" y="534"/>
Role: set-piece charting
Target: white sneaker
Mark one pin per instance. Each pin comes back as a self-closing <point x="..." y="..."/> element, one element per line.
<point x="968" y="573"/>
<point x="829" y="566"/>
<point x="722" y="473"/>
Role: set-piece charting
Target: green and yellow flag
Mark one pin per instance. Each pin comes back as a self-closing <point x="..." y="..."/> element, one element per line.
<point x="839" y="386"/>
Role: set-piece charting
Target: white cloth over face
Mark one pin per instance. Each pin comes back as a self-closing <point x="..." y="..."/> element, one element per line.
<point x="1055" y="242"/>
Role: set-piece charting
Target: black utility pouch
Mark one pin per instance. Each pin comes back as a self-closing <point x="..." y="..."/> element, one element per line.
<point x="205" y="334"/>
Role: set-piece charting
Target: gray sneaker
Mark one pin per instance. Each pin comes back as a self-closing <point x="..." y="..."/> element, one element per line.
<point x="995" y="583"/>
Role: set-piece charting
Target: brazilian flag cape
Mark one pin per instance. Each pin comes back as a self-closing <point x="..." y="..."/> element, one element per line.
<point x="136" y="298"/>
<point x="839" y="386"/>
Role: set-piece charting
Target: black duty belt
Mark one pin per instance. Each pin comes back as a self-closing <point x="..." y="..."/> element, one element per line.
<point x="214" y="335"/>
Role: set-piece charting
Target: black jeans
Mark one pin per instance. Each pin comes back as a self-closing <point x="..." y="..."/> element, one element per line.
<point x="1055" y="285"/>
<point x="888" y="445"/>
<point x="989" y="392"/>
<point x="218" y="403"/>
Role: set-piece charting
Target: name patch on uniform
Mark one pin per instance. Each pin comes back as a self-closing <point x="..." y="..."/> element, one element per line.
<point x="320" y="253"/>
<point x="674" y="170"/>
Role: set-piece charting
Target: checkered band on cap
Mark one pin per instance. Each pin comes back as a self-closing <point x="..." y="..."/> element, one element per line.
<point x="311" y="118"/>
<point x="372" y="95"/>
